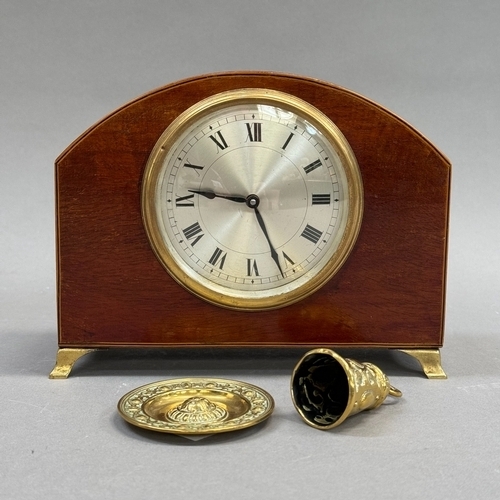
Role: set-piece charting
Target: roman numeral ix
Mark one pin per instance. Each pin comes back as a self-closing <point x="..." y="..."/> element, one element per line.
<point x="184" y="201"/>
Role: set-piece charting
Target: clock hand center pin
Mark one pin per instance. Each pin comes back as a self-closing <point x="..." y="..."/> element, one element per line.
<point x="252" y="201"/>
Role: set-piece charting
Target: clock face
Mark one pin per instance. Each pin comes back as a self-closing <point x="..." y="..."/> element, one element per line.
<point x="252" y="199"/>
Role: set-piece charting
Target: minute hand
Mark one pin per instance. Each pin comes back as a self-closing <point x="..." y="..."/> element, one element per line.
<point x="274" y="254"/>
<point x="211" y="195"/>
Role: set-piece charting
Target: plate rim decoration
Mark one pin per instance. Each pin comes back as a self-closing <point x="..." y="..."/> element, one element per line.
<point x="131" y="406"/>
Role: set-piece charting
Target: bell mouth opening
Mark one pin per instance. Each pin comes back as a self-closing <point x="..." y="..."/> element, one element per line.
<point x="320" y="390"/>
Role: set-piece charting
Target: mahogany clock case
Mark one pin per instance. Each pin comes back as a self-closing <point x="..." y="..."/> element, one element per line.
<point x="112" y="290"/>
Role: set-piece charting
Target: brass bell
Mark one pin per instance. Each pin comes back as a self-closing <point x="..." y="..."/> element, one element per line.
<point x="326" y="388"/>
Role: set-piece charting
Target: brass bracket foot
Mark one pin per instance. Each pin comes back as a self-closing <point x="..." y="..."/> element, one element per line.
<point x="430" y="361"/>
<point x="65" y="359"/>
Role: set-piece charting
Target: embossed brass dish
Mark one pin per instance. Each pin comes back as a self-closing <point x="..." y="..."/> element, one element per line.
<point x="196" y="406"/>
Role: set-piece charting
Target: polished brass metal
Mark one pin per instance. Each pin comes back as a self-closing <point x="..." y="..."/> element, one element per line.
<point x="263" y="97"/>
<point x="326" y="388"/>
<point x="430" y="361"/>
<point x="196" y="406"/>
<point x="65" y="359"/>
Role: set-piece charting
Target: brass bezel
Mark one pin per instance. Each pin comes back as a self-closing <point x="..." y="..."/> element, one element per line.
<point x="266" y="97"/>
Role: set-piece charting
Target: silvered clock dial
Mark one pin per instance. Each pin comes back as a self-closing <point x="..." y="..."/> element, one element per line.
<point x="252" y="199"/>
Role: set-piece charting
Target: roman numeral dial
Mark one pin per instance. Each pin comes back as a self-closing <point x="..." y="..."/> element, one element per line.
<point x="251" y="199"/>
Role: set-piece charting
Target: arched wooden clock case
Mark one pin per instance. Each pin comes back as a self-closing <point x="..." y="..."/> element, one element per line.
<point x="113" y="291"/>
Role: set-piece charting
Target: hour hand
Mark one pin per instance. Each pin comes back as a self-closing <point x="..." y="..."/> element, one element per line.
<point x="211" y="195"/>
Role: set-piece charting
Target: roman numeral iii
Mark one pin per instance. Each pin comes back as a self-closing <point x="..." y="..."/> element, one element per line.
<point x="321" y="199"/>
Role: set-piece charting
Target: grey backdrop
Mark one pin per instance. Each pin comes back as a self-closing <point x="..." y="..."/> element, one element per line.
<point x="66" y="64"/>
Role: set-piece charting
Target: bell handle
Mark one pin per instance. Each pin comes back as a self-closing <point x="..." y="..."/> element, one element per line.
<point x="395" y="392"/>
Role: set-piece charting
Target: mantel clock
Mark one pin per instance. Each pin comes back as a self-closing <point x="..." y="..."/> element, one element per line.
<point x="251" y="209"/>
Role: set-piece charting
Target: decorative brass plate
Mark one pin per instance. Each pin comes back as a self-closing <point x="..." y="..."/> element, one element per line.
<point x="196" y="406"/>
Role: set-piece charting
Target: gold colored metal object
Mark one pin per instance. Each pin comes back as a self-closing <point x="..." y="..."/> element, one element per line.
<point x="196" y="406"/>
<point x="65" y="359"/>
<point x="430" y="361"/>
<point x="326" y="388"/>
